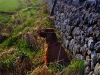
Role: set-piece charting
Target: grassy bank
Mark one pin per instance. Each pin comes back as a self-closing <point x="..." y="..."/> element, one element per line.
<point x="9" y="5"/>
<point x="4" y="18"/>
<point x="17" y="47"/>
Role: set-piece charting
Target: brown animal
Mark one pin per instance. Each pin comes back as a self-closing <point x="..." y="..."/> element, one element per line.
<point x="55" y="52"/>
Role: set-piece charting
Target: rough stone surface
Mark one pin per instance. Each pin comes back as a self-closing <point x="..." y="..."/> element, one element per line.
<point x="79" y="27"/>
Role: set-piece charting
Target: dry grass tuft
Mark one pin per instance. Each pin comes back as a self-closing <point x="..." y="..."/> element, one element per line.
<point x="42" y="71"/>
<point x="23" y="64"/>
<point x="45" y="9"/>
<point x="5" y="54"/>
<point x="69" y="53"/>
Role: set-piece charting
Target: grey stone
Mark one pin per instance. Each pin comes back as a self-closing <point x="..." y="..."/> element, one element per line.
<point x="90" y="42"/>
<point x="89" y="31"/>
<point x="93" y="59"/>
<point x="71" y="44"/>
<point x="87" y="70"/>
<point x="97" y="33"/>
<point x="76" y="48"/>
<point x="87" y="62"/>
<point x="97" y="46"/>
<point x="79" y="57"/>
<point x="98" y="56"/>
<point x="97" y="69"/>
<point x="65" y="42"/>
<point x="91" y="73"/>
<point x="79" y="27"/>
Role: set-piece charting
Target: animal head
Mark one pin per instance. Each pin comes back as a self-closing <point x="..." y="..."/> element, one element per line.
<point x="49" y="34"/>
<point x="45" y="32"/>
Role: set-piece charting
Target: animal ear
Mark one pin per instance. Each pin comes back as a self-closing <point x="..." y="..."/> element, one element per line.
<point x="49" y="30"/>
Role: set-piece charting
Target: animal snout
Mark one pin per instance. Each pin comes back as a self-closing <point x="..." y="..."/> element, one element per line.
<point x="42" y="34"/>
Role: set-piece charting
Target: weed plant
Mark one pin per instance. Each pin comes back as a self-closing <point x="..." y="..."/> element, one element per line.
<point x="76" y="67"/>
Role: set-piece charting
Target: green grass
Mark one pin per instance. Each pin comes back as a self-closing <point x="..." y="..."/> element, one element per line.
<point x="36" y="2"/>
<point x="75" y="68"/>
<point x="4" y="18"/>
<point x="12" y="41"/>
<point x="13" y="5"/>
<point x="56" y="67"/>
<point x="9" y="5"/>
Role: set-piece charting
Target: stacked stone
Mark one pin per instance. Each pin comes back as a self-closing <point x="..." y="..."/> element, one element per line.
<point x="79" y="27"/>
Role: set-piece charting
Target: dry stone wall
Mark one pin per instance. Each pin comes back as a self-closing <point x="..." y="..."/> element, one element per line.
<point x="79" y="27"/>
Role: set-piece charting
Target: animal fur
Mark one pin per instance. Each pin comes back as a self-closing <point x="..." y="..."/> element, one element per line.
<point x="54" y="52"/>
